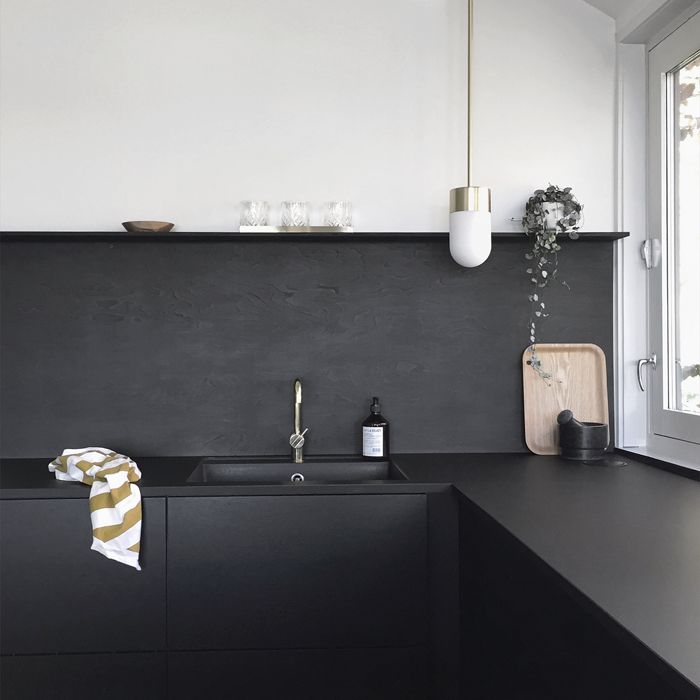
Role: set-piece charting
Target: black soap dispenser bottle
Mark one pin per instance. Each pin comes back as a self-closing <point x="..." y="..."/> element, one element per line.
<point x="375" y="434"/>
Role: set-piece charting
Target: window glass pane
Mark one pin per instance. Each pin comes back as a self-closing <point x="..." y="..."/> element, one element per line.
<point x="684" y="271"/>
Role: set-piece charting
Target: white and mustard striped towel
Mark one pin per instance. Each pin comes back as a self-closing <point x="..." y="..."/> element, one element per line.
<point x="115" y="501"/>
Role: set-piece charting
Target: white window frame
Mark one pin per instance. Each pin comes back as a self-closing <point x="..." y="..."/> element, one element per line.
<point x="664" y="58"/>
<point x="633" y="341"/>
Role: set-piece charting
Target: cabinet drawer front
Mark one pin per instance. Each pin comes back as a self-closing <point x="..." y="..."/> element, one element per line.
<point x="57" y="595"/>
<point x="278" y="572"/>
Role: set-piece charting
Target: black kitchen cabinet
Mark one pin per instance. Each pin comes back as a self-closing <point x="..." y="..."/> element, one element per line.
<point x="283" y="572"/>
<point x="84" y="677"/>
<point x="59" y="596"/>
<point x="301" y="596"/>
<point x="527" y="634"/>
<point x="300" y="674"/>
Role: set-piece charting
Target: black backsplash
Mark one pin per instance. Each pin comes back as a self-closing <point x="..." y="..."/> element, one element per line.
<point x="191" y="348"/>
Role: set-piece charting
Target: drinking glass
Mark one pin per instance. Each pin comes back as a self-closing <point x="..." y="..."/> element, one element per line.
<point x="254" y="213"/>
<point x="338" y="213"/>
<point x="295" y="213"/>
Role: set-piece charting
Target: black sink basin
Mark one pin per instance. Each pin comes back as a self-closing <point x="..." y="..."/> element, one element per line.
<point x="280" y="470"/>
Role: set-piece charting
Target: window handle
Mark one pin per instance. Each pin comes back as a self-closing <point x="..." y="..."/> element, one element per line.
<point x="651" y="360"/>
<point x="651" y="252"/>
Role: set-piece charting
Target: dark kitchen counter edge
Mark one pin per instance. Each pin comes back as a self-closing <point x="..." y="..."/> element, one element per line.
<point x="266" y="236"/>
<point x="28" y="478"/>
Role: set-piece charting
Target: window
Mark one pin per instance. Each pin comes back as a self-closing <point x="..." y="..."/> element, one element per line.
<point x="684" y="277"/>
<point x="674" y="217"/>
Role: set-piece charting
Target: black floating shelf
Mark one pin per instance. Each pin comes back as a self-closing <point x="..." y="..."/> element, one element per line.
<point x="564" y="238"/>
<point x="253" y="237"/>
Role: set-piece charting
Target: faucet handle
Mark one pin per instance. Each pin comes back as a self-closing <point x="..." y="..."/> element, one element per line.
<point x="296" y="440"/>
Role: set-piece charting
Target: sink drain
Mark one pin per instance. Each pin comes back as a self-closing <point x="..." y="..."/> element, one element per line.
<point x="297" y="477"/>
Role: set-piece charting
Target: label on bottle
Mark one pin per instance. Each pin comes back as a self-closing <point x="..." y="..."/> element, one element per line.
<point x="372" y="441"/>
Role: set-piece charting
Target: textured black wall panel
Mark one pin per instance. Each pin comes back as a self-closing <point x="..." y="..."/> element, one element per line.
<point x="191" y="348"/>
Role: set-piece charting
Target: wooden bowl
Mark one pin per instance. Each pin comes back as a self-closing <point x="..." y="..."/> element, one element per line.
<point x="147" y="226"/>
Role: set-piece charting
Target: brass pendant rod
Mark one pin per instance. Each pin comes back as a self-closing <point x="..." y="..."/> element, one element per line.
<point x="470" y="34"/>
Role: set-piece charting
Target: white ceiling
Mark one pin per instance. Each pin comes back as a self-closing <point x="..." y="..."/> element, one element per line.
<point x="638" y="21"/>
<point x="614" y="8"/>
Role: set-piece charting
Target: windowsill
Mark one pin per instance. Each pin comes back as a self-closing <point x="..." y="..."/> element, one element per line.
<point x="673" y="453"/>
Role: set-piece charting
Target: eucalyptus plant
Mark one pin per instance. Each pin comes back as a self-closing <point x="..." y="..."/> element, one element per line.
<point x="543" y="256"/>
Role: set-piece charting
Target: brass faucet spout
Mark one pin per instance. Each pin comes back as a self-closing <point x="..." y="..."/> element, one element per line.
<point x="296" y="439"/>
<point x="297" y="406"/>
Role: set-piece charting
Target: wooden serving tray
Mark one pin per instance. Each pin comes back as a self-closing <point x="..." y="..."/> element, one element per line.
<point x="579" y="383"/>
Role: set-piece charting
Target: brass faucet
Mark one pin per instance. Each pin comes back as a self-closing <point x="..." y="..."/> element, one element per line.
<point x="296" y="439"/>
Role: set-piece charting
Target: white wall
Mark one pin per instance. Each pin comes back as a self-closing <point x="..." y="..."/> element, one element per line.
<point x="128" y="109"/>
<point x="548" y="67"/>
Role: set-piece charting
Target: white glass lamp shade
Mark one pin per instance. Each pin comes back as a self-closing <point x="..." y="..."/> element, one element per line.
<point x="470" y="237"/>
<point x="470" y="225"/>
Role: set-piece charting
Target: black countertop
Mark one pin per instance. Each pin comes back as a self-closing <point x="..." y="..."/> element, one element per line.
<point x="627" y="538"/>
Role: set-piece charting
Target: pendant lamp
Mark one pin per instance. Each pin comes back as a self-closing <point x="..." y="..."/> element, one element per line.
<point x="470" y="206"/>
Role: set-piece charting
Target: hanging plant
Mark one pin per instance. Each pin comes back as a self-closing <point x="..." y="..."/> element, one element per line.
<point x="548" y="213"/>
